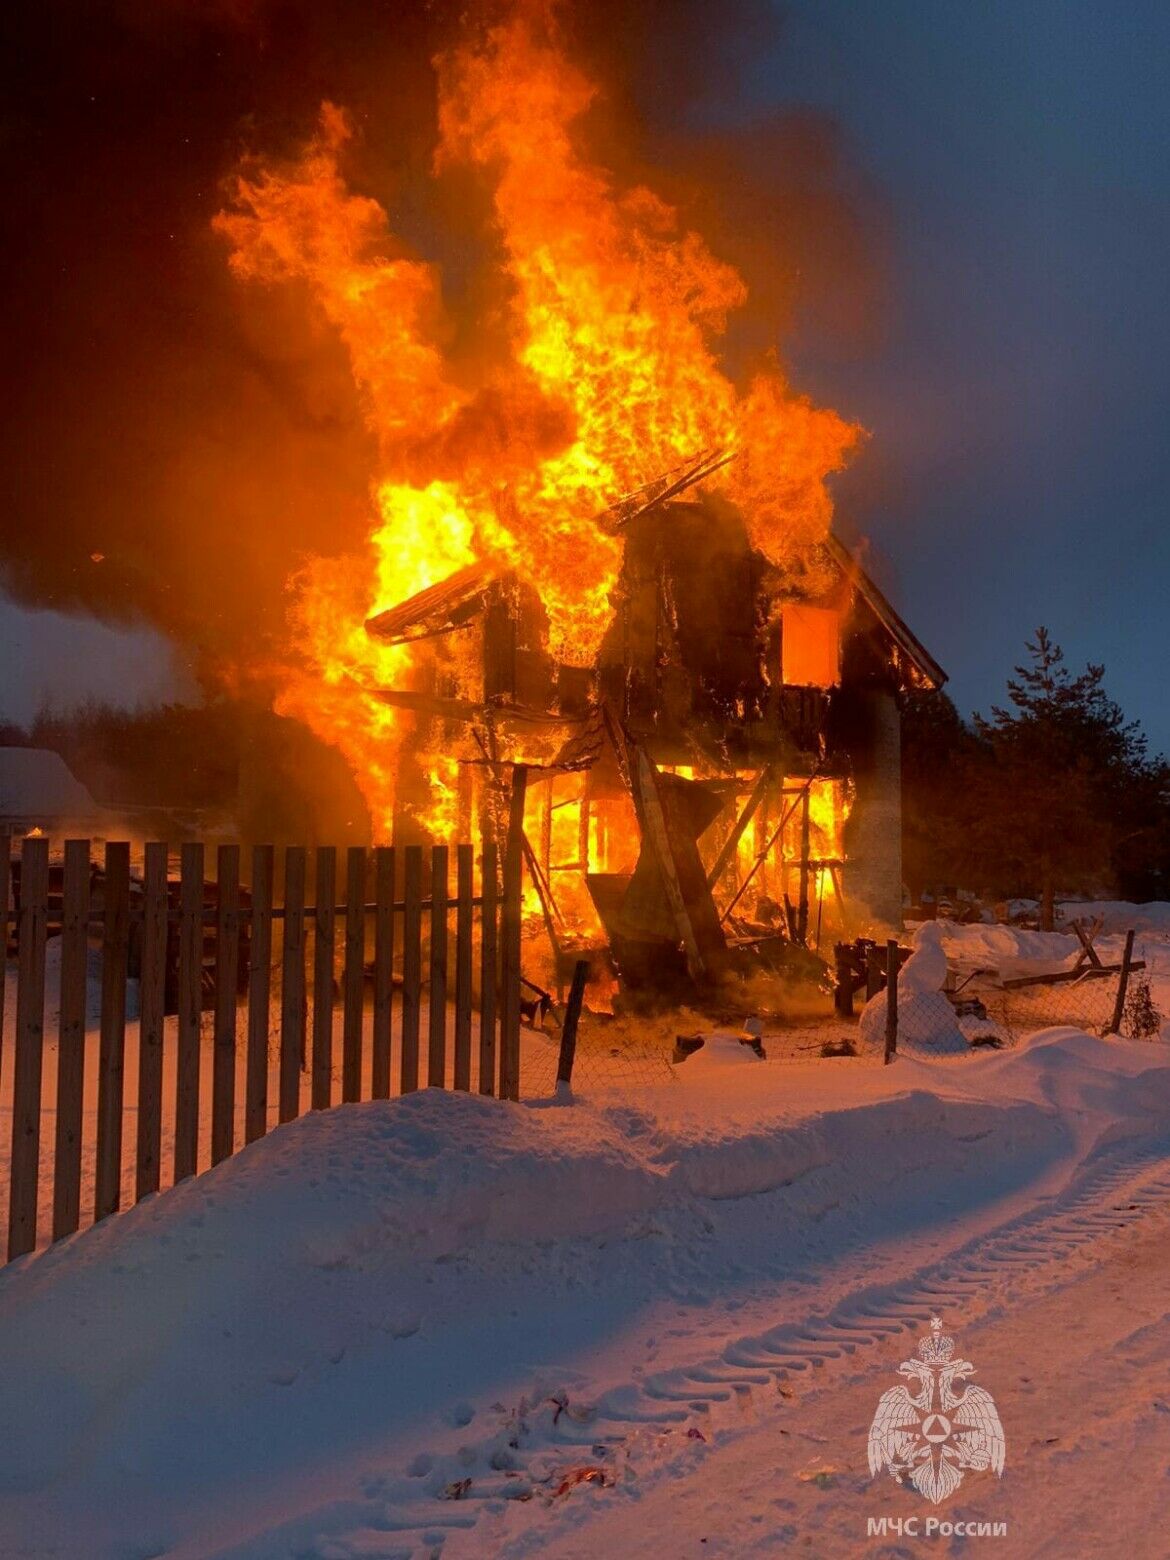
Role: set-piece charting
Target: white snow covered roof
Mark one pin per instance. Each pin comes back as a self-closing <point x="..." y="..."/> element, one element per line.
<point x="35" y="783"/>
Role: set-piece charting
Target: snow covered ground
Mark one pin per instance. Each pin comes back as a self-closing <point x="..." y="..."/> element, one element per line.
<point x="444" y="1325"/>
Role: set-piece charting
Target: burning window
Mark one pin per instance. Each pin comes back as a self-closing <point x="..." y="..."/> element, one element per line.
<point x="810" y="647"/>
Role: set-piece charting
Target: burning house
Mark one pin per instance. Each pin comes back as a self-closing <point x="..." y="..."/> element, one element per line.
<point x="687" y="695"/>
<point x="726" y="773"/>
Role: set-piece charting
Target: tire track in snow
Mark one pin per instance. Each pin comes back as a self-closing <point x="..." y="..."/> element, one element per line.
<point x="411" y="1517"/>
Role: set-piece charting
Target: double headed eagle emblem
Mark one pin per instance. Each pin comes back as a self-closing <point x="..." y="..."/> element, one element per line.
<point x="931" y="1436"/>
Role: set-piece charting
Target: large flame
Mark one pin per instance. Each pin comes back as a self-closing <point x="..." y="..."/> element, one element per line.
<point x="612" y="378"/>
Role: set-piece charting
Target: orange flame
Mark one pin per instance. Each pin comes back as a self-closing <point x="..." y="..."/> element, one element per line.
<point x="612" y="378"/>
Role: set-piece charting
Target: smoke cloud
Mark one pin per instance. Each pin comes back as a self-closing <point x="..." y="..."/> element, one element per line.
<point x="176" y="445"/>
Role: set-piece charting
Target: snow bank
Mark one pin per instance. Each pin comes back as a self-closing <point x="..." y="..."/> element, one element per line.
<point x="364" y="1283"/>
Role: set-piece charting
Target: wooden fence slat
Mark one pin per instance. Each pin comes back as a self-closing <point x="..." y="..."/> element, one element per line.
<point x="112" y="1045"/>
<point x="355" y="970"/>
<point x="259" y="994"/>
<point x="383" y="970"/>
<point x="5" y="909"/>
<point x="71" y="1039"/>
<point x="465" y="889"/>
<point x="510" y="940"/>
<point x="227" y="970"/>
<point x="292" y="998"/>
<point x="190" y="1009"/>
<point x="26" y="1067"/>
<point x="411" y="966"/>
<point x="488" y="971"/>
<point x="151" y="1004"/>
<point x="324" y="918"/>
<point x="437" y="1017"/>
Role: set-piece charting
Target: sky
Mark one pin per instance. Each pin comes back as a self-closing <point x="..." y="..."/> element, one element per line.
<point x="1012" y="181"/>
<point x="1017" y="402"/>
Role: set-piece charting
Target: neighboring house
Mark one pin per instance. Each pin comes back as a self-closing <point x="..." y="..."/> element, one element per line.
<point x="39" y="791"/>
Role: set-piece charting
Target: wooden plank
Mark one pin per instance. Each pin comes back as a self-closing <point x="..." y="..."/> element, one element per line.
<point x="802" y="906"/>
<point x="383" y="971"/>
<point x="731" y="843"/>
<point x="568" y="1051"/>
<point x="227" y="969"/>
<point x="190" y="1008"/>
<point x="5" y="912"/>
<point x="292" y="996"/>
<point x="27" y="1062"/>
<point x="112" y="1045"/>
<point x="355" y="963"/>
<point x="151" y="1003"/>
<point x="1063" y="977"/>
<point x="1122" y="985"/>
<point x="324" y="919"/>
<point x="259" y="994"/>
<point x="488" y="970"/>
<point x="411" y="966"/>
<point x="437" y="1016"/>
<point x="464" y="918"/>
<point x="71" y="1040"/>
<point x="658" y="837"/>
<point x="510" y="939"/>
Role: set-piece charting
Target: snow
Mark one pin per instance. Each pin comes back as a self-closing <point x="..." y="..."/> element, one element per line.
<point x="926" y="1019"/>
<point x="604" y="1316"/>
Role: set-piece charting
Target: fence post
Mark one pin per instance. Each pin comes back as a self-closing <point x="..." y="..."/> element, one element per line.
<point x="437" y="1012"/>
<point x="5" y="891"/>
<point x="292" y="984"/>
<point x="488" y="970"/>
<point x="71" y="1040"/>
<point x="569" y="1027"/>
<point x="227" y="969"/>
<point x="465" y="889"/>
<point x="259" y="994"/>
<point x="151" y="1002"/>
<point x="1122" y="986"/>
<point x="510" y="939"/>
<point x="323" y="951"/>
<point x="112" y="1048"/>
<point x="30" y="1035"/>
<point x="411" y="967"/>
<point x="892" y="962"/>
<point x="190" y="1010"/>
<point x="383" y="971"/>
<point x="353" y="991"/>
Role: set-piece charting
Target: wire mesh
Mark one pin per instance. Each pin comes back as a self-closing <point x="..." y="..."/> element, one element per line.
<point x="610" y="1057"/>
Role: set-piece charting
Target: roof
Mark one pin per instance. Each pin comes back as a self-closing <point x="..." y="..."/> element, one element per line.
<point x="438" y="607"/>
<point x="907" y="641"/>
<point x="36" y="783"/>
<point x="456" y="599"/>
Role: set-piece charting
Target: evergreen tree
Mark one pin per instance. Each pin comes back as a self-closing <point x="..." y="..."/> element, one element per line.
<point x="1062" y="762"/>
<point x="937" y="749"/>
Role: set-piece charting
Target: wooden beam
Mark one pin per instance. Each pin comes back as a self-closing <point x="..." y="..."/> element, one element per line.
<point x="151" y="1003"/>
<point x="112" y="1045"/>
<point x="71" y="1041"/>
<point x="694" y="913"/>
<point x="510" y="939"/>
<point x="730" y="844"/>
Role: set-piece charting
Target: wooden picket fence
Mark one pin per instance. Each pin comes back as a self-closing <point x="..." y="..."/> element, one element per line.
<point x="444" y="968"/>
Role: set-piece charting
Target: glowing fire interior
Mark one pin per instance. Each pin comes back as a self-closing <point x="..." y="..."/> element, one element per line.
<point x="610" y="377"/>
